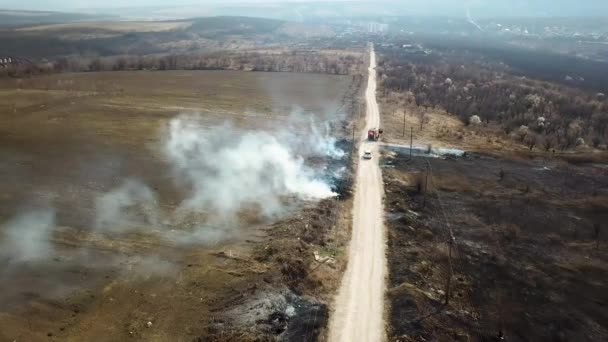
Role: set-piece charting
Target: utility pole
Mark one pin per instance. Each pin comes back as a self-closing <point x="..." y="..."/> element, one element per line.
<point x="411" y="140"/>
<point x="449" y="282"/>
<point x="404" y="123"/>
<point x="352" y="146"/>
<point x="426" y="184"/>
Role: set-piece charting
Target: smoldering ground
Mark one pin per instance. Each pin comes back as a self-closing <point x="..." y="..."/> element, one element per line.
<point x="229" y="176"/>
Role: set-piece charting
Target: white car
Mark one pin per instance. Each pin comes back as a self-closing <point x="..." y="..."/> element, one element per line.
<point x="367" y="154"/>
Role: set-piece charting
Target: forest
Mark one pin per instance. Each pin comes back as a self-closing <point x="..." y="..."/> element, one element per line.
<point x="482" y="89"/>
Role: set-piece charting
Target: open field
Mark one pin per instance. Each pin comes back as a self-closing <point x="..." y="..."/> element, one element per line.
<point x="49" y="40"/>
<point x="527" y="260"/>
<point x="113" y="122"/>
<point x="16" y="18"/>
<point x="68" y="140"/>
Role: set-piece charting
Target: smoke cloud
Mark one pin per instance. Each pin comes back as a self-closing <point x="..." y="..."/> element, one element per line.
<point x="324" y="142"/>
<point x="128" y="207"/>
<point x="27" y="237"/>
<point x="304" y="136"/>
<point x="232" y="177"/>
<point x="230" y="170"/>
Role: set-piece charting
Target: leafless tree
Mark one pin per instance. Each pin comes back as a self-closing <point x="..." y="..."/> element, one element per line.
<point x="531" y="140"/>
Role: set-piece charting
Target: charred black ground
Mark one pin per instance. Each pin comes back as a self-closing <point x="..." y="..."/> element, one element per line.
<point x="527" y="260"/>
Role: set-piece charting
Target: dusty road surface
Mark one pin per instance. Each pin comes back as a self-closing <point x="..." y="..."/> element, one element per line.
<point x="359" y="307"/>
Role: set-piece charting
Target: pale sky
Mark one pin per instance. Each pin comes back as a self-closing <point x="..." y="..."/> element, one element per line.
<point x="71" y="5"/>
<point x="441" y="7"/>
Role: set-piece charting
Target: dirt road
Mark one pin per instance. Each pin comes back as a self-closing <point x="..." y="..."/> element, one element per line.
<point x="359" y="306"/>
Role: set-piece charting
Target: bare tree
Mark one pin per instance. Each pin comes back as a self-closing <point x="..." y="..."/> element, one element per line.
<point x="548" y="142"/>
<point x="422" y="117"/>
<point x="531" y="141"/>
<point x="96" y="65"/>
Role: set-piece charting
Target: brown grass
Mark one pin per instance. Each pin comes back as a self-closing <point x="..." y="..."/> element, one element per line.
<point x="78" y="135"/>
<point x="439" y="129"/>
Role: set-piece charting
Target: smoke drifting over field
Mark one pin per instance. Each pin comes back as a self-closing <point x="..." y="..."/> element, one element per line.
<point x="128" y="207"/>
<point x="324" y="142"/>
<point x="229" y="173"/>
<point x="27" y="237"/>
<point x="230" y="170"/>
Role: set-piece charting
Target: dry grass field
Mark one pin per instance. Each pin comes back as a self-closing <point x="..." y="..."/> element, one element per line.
<point x="67" y="139"/>
<point x="60" y="127"/>
<point x="437" y="128"/>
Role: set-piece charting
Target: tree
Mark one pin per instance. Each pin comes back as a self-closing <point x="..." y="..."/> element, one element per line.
<point x="121" y="64"/>
<point x="523" y="133"/>
<point x="531" y="140"/>
<point x="548" y="142"/>
<point x="600" y="123"/>
<point x="162" y="64"/>
<point x="61" y="64"/>
<point x="140" y="63"/>
<point x="96" y="65"/>
<point x="422" y="117"/>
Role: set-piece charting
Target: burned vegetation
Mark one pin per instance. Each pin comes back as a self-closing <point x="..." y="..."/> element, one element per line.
<point x="482" y="248"/>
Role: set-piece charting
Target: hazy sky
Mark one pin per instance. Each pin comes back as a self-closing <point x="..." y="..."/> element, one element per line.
<point x="62" y="5"/>
<point x="427" y="7"/>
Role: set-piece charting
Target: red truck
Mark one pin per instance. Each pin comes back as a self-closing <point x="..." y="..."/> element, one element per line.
<point x="374" y="134"/>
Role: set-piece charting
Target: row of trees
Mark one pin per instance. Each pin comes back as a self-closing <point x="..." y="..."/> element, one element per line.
<point x="303" y="62"/>
<point x="538" y="113"/>
<point x="284" y="62"/>
<point x="20" y="67"/>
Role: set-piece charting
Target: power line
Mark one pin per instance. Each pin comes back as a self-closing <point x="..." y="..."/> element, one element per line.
<point x="451" y="238"/>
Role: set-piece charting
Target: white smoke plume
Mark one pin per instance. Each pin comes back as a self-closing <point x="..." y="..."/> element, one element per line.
<point x="234" y="178"/>
<point x="128" y="207"/>
<point x="27" y="237"/>
<point x="229" y="174"/>
<point x="307" y="137"/>
<point x="230" y="170"/>
<point x="322" y="141"/>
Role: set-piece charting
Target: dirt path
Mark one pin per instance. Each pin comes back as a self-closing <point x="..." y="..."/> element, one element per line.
<point x="359" y="306"/>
